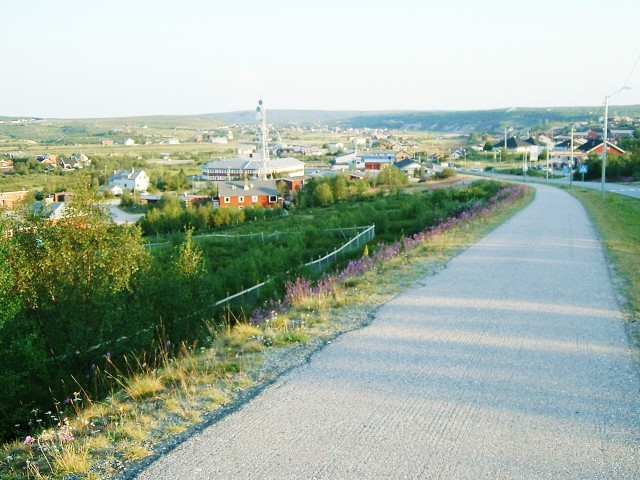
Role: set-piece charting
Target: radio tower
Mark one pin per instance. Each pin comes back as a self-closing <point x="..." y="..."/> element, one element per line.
<point x="265" y="168"/>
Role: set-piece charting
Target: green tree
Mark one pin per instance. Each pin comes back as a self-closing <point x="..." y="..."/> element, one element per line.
<point x="339" y="186"/>
<point x="393" y="177"/>
<point x="70" y="273"/>
<point x="10" y="305"/>
<point x="323" y="196"/>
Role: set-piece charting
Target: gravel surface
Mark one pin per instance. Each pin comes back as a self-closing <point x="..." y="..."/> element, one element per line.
<point x="511" y="363"/>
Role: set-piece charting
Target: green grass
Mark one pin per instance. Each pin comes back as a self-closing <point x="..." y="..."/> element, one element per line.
<point x="617" y="220"/>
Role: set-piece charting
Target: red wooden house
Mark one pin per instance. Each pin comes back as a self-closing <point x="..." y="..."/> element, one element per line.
<point x="254" y="193"/>
<point x="596" y="146"/>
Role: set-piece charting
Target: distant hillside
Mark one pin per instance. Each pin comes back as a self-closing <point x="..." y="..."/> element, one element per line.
<point x="437" y="121"/>
<point x="492" y="121"/>
<point x="287" y="117"/>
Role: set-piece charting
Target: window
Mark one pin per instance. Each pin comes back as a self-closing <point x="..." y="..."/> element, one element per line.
<point x="240" y="199"/>
<point x="273" y="198"/>
<point x="227" y="200"/>
<point x="254" y="199"/>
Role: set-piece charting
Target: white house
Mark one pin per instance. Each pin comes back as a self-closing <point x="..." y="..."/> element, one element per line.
<point x="132" y="180"/>
<point x="410" y="168"/>
<point x="129" y="141"/>
<point x="246" y="149"/>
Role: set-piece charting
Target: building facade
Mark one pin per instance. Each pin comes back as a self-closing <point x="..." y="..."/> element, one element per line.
<point x="249" y="167"/>
<point x="132" y="180"/>
<point x="242" y="194"/>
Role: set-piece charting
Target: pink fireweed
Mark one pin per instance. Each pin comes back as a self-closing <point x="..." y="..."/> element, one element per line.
<point x="301" y="289"/>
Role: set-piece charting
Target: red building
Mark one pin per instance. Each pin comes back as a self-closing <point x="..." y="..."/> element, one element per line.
<point x="293" y="184"/>
<point x="241" y="194"/>
<point x="596" y="146"/>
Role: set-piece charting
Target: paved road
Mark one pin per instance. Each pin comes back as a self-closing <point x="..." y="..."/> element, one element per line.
<point x="119" y="216"/>
<point x="512" y="363"/>
<point x="627" y="189"/>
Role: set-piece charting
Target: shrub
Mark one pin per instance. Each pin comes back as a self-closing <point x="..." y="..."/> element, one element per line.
<point x="446" y="173"/>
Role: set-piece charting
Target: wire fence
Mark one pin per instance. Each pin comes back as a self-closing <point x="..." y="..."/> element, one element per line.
<point x="251" y="296"/>
<point x="265" y="237"/>
<point x="318" y="266"/>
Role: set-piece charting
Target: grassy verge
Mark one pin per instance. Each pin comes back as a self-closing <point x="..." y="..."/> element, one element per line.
<point x="617" y="220"/>
<point x="175" y="396"/>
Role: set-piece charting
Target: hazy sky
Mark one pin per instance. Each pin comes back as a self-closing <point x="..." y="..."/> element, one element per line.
<point x="87" y="58"/>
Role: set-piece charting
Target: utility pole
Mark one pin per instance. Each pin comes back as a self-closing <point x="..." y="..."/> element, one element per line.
<point x="604" y="143"/>
<point x="265" y="166"/>
<point x="548" y="153"/>
<point x="572" y="160"/>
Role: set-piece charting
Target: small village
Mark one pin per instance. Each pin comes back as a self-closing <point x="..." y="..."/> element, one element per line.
<point x="261" y="166"/>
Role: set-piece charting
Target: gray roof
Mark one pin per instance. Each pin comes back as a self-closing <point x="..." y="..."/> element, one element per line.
<point x="245" y="162"/>
<point x="128" y="174"/>
<point x="406" y="163"/>
<point x="52" y="211"/>
<point x="254" y="187"/>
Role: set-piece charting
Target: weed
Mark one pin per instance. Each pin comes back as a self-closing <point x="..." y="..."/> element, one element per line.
<point x="143" y="385"/>
<point x="71" y="458"/>
<point x="136" y="451"/>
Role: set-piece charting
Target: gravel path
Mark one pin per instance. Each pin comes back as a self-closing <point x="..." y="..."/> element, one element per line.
<point x="511" y="363"/>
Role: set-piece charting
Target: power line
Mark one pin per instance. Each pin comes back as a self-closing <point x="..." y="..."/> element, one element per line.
<point x="632" y="70"/>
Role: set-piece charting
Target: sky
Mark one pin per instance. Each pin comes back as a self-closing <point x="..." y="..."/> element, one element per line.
<point x="88" y="59"/>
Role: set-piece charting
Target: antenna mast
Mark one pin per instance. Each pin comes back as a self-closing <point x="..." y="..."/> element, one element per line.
<point x="265" y="168"/>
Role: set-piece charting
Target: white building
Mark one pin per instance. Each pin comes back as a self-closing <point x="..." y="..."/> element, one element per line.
<point x="249" y="166"/>
<point x="132" y="180"/>
<point x="349" y="160"/>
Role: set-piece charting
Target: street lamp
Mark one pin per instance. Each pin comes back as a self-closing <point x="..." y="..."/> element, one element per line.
<point x="604" y="144"/>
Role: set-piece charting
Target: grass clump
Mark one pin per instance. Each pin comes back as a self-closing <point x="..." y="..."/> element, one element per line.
<point x="143" y="385"/>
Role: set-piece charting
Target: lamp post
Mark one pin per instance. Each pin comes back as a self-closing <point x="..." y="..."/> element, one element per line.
<point x="605" y="135"/>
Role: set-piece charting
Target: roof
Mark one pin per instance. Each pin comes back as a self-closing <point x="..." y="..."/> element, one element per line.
<point x="594" y="143"/>
<point x="406" y="163"/>
<point x="246" y="162"/>
<point x="126" y="174"/>
<point x="567" y="143"/>
<point x="242" y="188"/>
<point x="52" y="211"/>
<point x="512" y="143"/>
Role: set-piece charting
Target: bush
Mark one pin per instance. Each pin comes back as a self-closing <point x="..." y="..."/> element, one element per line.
<point x="444" y="174"/>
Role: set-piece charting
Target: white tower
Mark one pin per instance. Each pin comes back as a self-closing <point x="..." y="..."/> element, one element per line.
<point x="265" y="167"/>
